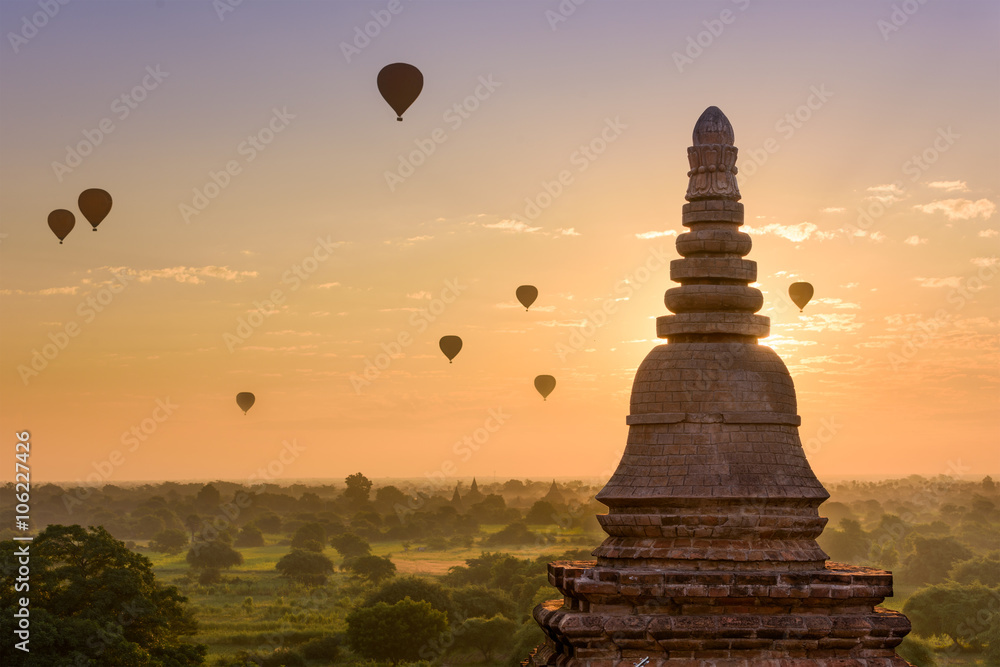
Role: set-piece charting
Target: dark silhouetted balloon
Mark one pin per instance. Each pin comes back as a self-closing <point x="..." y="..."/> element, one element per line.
<point x="800" y="293"/>
<point x="61" y="222"/>
<point x="451" y="346"/>
<point x="245" y="400"/>
<point x="400" y="84"/>
<point x="95" y="204"/>
<point x="527" y="294"/>
<point x="545" y="384"/>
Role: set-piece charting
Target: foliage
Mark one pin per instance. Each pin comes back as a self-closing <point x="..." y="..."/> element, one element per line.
<point x="516" y="533"/>
<point x="358" y="488"/>
<point x="931" y="559"/>
<point x="415" y="588"/>
<point x="950" y="610"/>
<point x="541" y="513"/>
<point x="171" y="541"/>
<point x="983" y="570"/>
<point x="214" y="555"/>
<point x="527" y="637"/>
<point x="306" y="567"/>
<point x="250" y="536"/>
<point x="309" y="532"/>
<point x="471" y="601"/>
<point x="916" y="652"/>
<point x="325" y="648"/>
<point x="485" y="635"/>
<point x="373" y="568"/>
<point x="350" y="545"/>
<point x="92" y="598"/>
<point x="395" y="633"/>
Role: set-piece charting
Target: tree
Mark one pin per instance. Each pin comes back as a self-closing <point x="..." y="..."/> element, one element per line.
<point x="916" y="652"/>
<point x="214" y="555"/>
<point x="948" y="609"/>
<point x="94" y="603"/>
<point x="169" y="541"/>
<point x="487" y="635"/>
<point x="983" y="570"/>
<point x="358" y="488"/>
<point x="472" y="601"/>
<point x="932" y="558"/>
<point x="307" y="567"/>
<point x="388" y="497"/>
<point x="373" y="568"/>
<point x="208" y="498"/>
<point x="397" y="632"/>
<point x="541" y="513"/>
<point x="250" y="536"/>
<point x="515" y="533"/>
<point x="309" y="532"/>
<point x="847" y="544"/>
<point x="350" y="545"/>
<point x="415" y="588"/>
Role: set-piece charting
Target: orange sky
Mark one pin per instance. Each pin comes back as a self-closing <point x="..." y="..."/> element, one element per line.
<point x="868" y="152"/>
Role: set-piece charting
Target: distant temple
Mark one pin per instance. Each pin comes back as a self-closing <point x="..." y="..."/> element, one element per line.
<point x="474" y="495"/>
<point x="711" y="556"/>
<point x="456" y="499"/>
<point x="554" y="496"/>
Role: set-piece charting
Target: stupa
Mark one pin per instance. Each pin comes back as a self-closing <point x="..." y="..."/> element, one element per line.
<point x="711" y="555"/>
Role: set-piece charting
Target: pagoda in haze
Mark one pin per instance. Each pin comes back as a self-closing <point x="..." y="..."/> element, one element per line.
<point x="711" y="555"/>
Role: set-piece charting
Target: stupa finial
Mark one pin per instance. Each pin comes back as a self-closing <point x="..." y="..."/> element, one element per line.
<point x="712" y="159"/>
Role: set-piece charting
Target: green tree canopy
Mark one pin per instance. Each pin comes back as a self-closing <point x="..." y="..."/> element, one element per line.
<point x="358" y="488"/>
<point x="415" y="588"/>
<point x="473" y="601"/>
<point x="399" y="632"/>
<point x="373" y="568"/>
<point x="952" y="610"/>
<point x="350" y="545"/>
<point x="171" y="541"/>
<point x="250" y="536"/>
<point x="931" y="559"/>
<point x="94" y="603"/>
<point x="983" y="570"/>
<point x="486" y="635"/>
<point x="309" y="532"/>
<point x="214" y="555"/>
<point x="307" y="567"/>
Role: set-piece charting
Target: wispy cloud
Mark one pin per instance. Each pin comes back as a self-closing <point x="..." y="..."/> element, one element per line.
<point x="950" y="281"/>
<point x="837" y="303"/>
<point x="193" y="275"/>
<point x="48" y="291"/>
<point x="949" y="186"/>
<point x="914" y="240"/>
<point x="571" y="231"/>
<point x="985" y="261"/>
<point x="988" y="233"/>
<point x="960" y="209"/>
<point x="515" y="226"/>
<point x="886" y="194"/>
<point x="795" y="233"/>
<point x="328" y="285"/>
<point x="422" y="294"/>
<point x="833" y="209"/>
<point x="656" y="235"/>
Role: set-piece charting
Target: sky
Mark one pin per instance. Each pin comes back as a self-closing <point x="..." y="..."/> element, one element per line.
<point x="275" y="230"/>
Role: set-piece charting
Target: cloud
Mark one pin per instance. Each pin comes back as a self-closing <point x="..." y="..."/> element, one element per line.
<point x="833" y="209"/>
<point x="327" y="285"/>
<point x="960" y="209"/>
<point x="515" y="304"/>
<point x="568" y="232"/>
<point x="193" y="275"/>
<point x="795" y="233"/>
<point x="837" y="303"/>
<point x="420" y="238"/>
<point x="656" y="235"/>
<point x="984" y="261"/>
<point x="949" y="186"/>
<point x="48" y="291"/>
<point x="844" y="322"/>
<point x="914" y="240"/>
<point x="988" y="233"/>
<point x="515" y="226"/>
<point x="886" y="194"/>
<point x="422" y="294"/>
<point x="950" y="281"/>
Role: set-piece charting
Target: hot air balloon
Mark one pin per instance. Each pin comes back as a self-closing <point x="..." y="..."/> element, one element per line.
<point x="95" y="205"/>
<point x="245" y="400"/>
<point x="527" y="294"/>
<point x="451" y="346"/>
<point x="800" y="293"/>
<point x="61" y="222"/>
<point x="545" y="384"/>
<point x="400" y="84"/>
